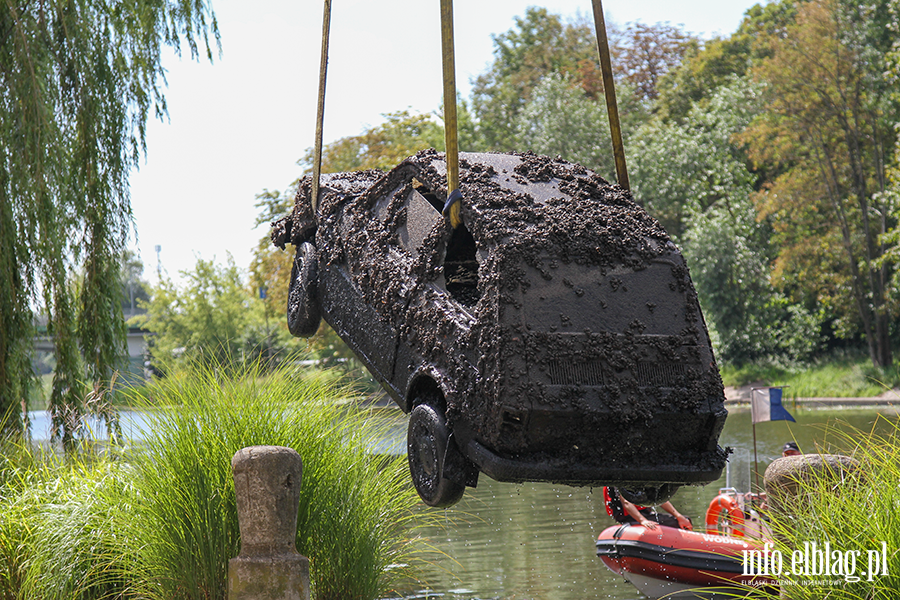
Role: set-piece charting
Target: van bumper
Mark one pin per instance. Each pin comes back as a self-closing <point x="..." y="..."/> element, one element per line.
<point x="569" y="473"/>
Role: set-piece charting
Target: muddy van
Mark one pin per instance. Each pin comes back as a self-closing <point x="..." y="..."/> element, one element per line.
<point x="554" y="336"/>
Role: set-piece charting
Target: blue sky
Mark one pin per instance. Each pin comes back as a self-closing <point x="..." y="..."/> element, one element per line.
<point x="238" y="126"/>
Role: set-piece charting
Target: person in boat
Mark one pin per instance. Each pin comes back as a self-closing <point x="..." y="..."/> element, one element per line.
<point x="790" y="449"/>
<point x="624" y="511"/>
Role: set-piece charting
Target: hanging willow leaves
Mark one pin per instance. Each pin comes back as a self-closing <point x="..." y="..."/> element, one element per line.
<point x="78" y="81"/>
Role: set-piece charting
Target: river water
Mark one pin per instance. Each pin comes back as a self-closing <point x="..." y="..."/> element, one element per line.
<point x="536" y="541"/>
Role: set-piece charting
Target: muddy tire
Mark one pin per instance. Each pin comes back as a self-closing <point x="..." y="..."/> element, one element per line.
<point x="303" y="311"/>
<point x="426" y="445"/>
<point x="649" y="495"/>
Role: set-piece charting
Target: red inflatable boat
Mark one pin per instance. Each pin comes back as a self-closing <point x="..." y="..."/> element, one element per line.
<point x="675" y="563"/>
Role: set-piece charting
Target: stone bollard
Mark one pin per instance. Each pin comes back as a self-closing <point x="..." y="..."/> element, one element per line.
<point x="783" y="474"/>
<point x="267" y="487"/>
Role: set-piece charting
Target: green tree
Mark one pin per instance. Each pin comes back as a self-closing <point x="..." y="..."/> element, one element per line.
<point x="695" y="178"/>
<point x="827" y="133"/>
<point x="78" y="81"/>
<point x="214" y="318"/>
<point x="383" y="146"/>
<point x="561" y="120"/>
<point x="892" y="195"/>
<point x="711" y="64"/>
<point x="681" y="169"/>
<point x="540" y="43"/>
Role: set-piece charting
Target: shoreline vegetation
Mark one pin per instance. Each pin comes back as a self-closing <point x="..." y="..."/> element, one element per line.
<point x="157" y="519"/>
<point x="853" y="514"/>
<point x="841" y="376"/>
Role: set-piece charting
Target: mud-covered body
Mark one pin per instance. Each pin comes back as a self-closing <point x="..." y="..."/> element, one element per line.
<point x="557" y="328"/>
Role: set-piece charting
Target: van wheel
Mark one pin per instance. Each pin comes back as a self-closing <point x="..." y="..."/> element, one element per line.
<point x="303" y="311"/>
<point x="649" y="495"/>
<point x="426" y="445"/>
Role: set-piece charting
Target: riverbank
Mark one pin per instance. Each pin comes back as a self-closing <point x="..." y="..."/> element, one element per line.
<point x="741" y="395"/>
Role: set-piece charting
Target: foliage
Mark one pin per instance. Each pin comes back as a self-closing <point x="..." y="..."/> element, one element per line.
<point x="539" y="44"/>
<point x="160" y="521"/>
<point x="681" y="169"/>
<point x="826" y="129"/>
<point x="214" y="317"/>
<point x="543" y="44"/>
<point x="709" y="65"/>
<point x="37" y="487"/>
<point x="561" y="120"/>
<point x="354" y="506"/>
<point x="384" y="146"/>
<point x="856" y="514"/>
<point x="837" y="375"/>
<point x="646" y="53"/>
<point x="21" y="482"/>
<point x="74" y="553"/>
<point x="694" y="177"/>
<point x="78" y="81"/>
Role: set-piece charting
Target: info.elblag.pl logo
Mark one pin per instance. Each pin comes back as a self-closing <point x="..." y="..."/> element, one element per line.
<point x="817" y="560"/>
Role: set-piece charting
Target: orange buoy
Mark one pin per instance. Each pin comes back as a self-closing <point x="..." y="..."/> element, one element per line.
<point x="724" y="516"/>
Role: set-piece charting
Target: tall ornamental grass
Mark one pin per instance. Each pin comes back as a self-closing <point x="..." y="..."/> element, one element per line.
<point x="857" y="515"/>
<point x="158" y="521"/>
<point x="76" y="549"/>
<point x="51" y="520"/>
<point x="23" y="484"/>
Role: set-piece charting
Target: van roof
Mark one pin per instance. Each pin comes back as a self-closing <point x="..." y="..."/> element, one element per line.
<point x="547" y="205"/>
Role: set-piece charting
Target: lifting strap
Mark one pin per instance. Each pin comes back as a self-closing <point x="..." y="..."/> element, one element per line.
<point x="451" y="139"/>
<point x="609" y="89"/>
<point x="320" y="109"/>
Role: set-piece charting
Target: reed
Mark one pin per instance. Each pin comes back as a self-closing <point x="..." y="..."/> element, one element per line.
<point x="354" y="506"/>
<point x="75" y="550"/>
<point x="19" y="504"/>
<point x="47" y="521"/>
<point x="158" y="520"/>
<point x="855" y="515"/>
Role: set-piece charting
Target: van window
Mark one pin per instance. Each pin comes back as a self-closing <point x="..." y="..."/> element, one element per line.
<point x="461" y="267"/>
<point x="421" y="217"/>
<point x="574" y="298"/>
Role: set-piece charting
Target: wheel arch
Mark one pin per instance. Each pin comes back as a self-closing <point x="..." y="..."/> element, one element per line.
<point x="424" y="387"/>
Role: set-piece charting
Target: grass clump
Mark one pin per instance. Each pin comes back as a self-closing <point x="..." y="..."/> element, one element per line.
<point x="159" y="520"/>
<point x="854" y="513"/>
<point x="75" y="550"/>
<point x="354" y="507"/>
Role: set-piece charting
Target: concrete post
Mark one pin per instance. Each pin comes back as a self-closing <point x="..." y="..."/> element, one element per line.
<point x="267" y="486"/>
